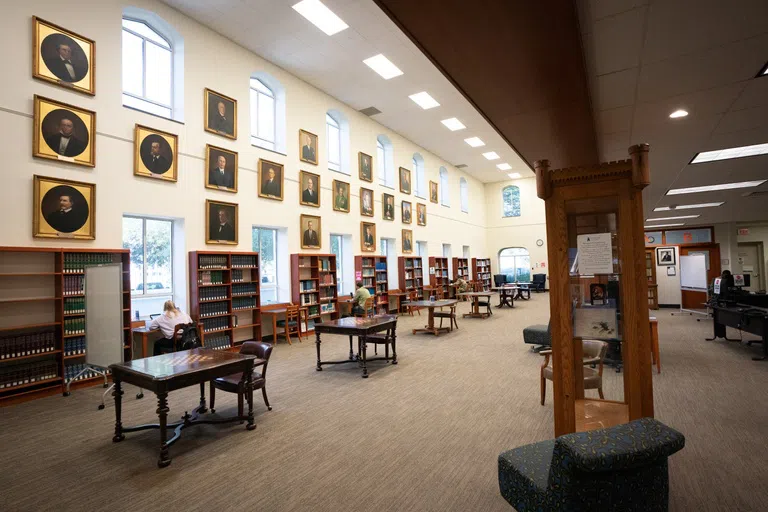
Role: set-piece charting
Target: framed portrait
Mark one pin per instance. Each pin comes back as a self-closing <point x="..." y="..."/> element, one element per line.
<point x="366" y="202"/>
<point x="63" y="209"/>
<point x="405" y="180"/>
<point x="405" y="208"/>
<point x="309" y="189"/>
<point x="340" y="196"/>
<point x="665" y="256"/>
<point x="62" y="57"/>
<point x="270" y="180"/>
<point x="387" y="206"/>
<point x="368" y="237"/>
<point x="597" y="294"/>
<point x="311" y="231"/>
<point x="421" y="214"/>
<point x="154" y="153"/>
<point x="365" y="165"/>
<point x="407" y="241"/>
<point x="220" y="114"/>
<point x="64" y="132"/>
<point x="221" y="222"/>
<point x="433" y="192"/>
<point x="308" y="147"/>
<point x="221" y="167"/>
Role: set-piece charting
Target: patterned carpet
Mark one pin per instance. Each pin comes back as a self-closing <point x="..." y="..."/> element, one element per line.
<point x="420" y="436"/>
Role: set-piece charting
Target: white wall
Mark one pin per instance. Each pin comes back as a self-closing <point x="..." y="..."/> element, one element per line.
<point x="669" y="286"/>
<point x="727" y="235"/>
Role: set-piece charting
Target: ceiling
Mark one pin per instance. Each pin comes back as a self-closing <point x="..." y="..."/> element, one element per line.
<point x="334" y="64"/>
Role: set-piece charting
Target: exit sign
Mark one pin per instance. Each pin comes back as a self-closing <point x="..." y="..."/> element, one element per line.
<point x="743" y="231"/>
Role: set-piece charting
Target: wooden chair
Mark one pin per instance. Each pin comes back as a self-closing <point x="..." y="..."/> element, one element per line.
<point x="412" y="296"/>
<point x="231" y="383"/>
<point x="385" y="338"/>
<point x="450" y="315"/>
<point x="368" y="309"/>
<point x="178" y="329"/>
<point x="594" y="353"/>
<point x="291" y="324"/>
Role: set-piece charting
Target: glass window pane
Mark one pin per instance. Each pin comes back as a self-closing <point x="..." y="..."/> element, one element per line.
<point x="254" y="112"/>
<point x="334" y="146"/>
<point x="146" y="106"/>
<point x="336" y="247"/>
<point x="133" y="240"/>
<point x="265" y="243"/>
<point x="260" y="87"/>
<point x="143" y="30"/>
<point x="331" y="121"/>
<point x="511" y="201"/>
<point x="133" y="76"/>
<point x="158" y="78"/>
<point x="158" y="256"/>
<point x="383" y="247"/>
<point x="266" y="118"/>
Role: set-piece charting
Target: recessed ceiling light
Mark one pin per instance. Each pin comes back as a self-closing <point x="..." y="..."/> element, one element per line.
<point x="383" y="66"/>
<point x="453" y="124"/>
<point x="726" y="154"/>
<point x="504" y="167"/>
<point x="424" y="100"/>
<point x="475" y="142"/>
<point x="687" y="206"/>
<point x="678" y="113"/>
<point x="764" y="71"/>
<point x="320" y="16"/>
<point x="679" y="217"/>
<point x="665" y="225"/>
<point x="711" y="188"/>
<point x="514" y="175"/>
<point x="491" y="155"/>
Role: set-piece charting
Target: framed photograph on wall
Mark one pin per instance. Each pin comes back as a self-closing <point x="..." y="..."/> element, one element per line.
<point x="368" y="237"/>
<point x="433" y="192"/>
<point x="154" y="153"/>
<point x="63" y="57"/>
<point x="221" y="165"/>
<point x="340" y="196"/>
<point x="270" y="180"/>
<point x="64" y="132"/>
<point x="221" y="222"/>
<point x="388" y="206"/>
<point x="405" y="180"/>
<point x="308" y="147"/>
<point x="665" y="256"/>
<point x="365" y="165"/>
<point x="407" y="241"/>
<point x="309" y="189"/>
<point x="63" y="209"/>
<point x="366" y="202"/>
<point x="220" y="114"/>
<point x="421" y="214"/>
<point x="405" y="207"/>
<point x="311" y="231"/>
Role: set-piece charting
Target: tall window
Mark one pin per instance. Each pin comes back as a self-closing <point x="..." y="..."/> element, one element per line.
<point x="515" y="263"/>
<point x="383" y="246"/>
<point x="337" y="244"/>
<point x="265" y="243"/>
<point x="444" y="194"/>
<point x="510" y="199"/>
<point x="333" y="132"/>
<point x="385" y="161"/>
<point x="263" y="115"/>
<point x="147" y="69"/>
<point x="418" y="168"/>
<point x="464" y="195"/>
<point x="150" y="242"/>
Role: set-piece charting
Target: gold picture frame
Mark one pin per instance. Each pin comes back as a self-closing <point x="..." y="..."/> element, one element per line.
<point x="274" y="188"/>
<point x="407" y="236"/>
<point x="340" y="201"/>
<point x="53" y="120"/>
<point x="310" y="238"/>
<point x="305" y="194"/>
<point x="365" y="167"/>
<point x="215" y="122"/>
<point x="367" y="244"/>
<point x="366" y="202"/>
<point x="155" y="154"/>
<point x="387" y="206"/>
<point x="433" y="192"/>
<point x="221" y="230"/>
<point x="421" y="214"/>
<point x="63" y="57"/>
<point x="406" y="212"/>
<point x="63" y="209"/>
<point x="308" y="152"/>
<point x="214" y="178"/>
<point x="405" y="180"/>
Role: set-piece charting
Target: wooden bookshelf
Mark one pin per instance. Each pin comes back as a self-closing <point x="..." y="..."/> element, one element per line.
<point x="43" y="321"/>
<point x="411" y="274"/>
<point x="440" y="279"/>
<point x="225" y="297"/>
<point x="314" y="286"/>
<point x="461" y="269"/>
<point x="374" y="272"/>
<point x="481" y="271"/>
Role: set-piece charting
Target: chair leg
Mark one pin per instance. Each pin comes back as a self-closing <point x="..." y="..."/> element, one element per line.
<point x="543" y="389"/>
<point x="240" y="396"/>
<point x="264" y="394"/>
<point x="288" y="335"/>
<point x="386" y="351"/>
<point x="213" y="396"/>
<point x="600" y="392"/>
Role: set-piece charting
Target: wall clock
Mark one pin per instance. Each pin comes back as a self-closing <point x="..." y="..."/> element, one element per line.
<point x="539" y="242"/>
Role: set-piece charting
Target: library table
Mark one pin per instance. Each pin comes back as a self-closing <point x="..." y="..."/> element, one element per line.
<point x="475" y="298"/>
<point x="431" y="305"/>
<point x="399" y="297"/>
<point x="169" y="372"/>
<point x="362" y="328"/>
<point x="275" y="311"/>
<point x="506" y="295"/>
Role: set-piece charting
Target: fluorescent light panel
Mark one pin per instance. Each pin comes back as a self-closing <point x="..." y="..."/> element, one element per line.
<point x="665" y="225"/>
<point x="491" y="155"/>
<point x="453" y="124"/>
<point x="475" y="142"/>
<point x="504" y="167"/>
<point x="712" y="188"/>
<point x="678" y="114"/>
<point x="320" y="16"/>
<point x="514" y="175"/>
<point x="383" y="66"/>
<point x="727" y="154"/>
<point x="679" y="217"/>
<point x="687" y="206"/>
<point x="424" y="100"/>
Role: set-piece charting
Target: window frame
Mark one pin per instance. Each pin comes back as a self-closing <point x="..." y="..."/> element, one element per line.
<point x="514" y="258"/>
<point x="417" y="161"/>
<point x="464" y="194"/>
<point x="386" y="167"/>
<point x="145" y="40"/>
<point x="503" y="213"/>
<point x="143" y="293"/>
<point x="339" y="263"/>
<point x="256" y="140"/>
<point x="276" y="285"/>
<point x="336" y="125"/>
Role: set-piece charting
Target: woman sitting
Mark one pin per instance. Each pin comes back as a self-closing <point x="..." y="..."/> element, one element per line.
<point x="167" y="322"/>
<point x="461" y="285"/>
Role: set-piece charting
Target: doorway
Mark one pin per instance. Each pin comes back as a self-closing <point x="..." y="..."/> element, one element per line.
<point x="695" y="300"/>
<point x="752" y="262"/>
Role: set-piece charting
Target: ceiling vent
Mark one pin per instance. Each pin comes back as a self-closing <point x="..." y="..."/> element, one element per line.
<point x="370" y="111"/>
<point x="460" y="166"/>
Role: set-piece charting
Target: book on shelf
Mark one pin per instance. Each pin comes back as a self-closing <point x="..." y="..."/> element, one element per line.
<point x="22" y="345"/>
<point x="76" y="262"/>
<point x="210" y="261"/>
<point x="244" y="261"/>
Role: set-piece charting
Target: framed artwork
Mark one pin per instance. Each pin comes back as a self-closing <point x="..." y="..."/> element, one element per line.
<point x="407" y="241"/>
<point x="595" y="323"/>
<point x="222" y="166"/>
<point x="221" y="222"/>
<point x="597" y="294"/>
<point x="405" y="180"/>
<point x="368" y="237"/>
<point x="308" y="147"/>
<point x="154" y="153"/>
<point x="220" y="114"/>
<point x="62" y="57"/>
<point x="365" y="165"/>
<point x="270" y="180"/>
<point x="665" y="256"/>
<point x="366" y="202"/>
<point x="309" y="188"/>
<point x="340" y="196"/>
<point x="388" y="206"/>
<point x="421" y="214"/>
<point x="405" y="208"/>
<point x="311" y="231"/>
<point x="63" y="209"/>
<point x="433" y="192"/>
<point x="64" y="132"/>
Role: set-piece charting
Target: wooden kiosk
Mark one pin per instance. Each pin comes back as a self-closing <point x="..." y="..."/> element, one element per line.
<point x="601" y="293"/>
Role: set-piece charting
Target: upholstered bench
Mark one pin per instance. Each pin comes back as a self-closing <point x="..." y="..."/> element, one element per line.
<point x="618" y="468"/>
<point x="538" y="335"/>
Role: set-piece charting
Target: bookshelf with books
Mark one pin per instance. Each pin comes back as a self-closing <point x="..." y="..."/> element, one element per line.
<point x="313" y="286"/>
<point x="481" y="271"/>
<point x="461" y="269"/>
<point x="440" y="279"/>
<point x="373" y="271"/>
<point x="225" y="297"/>
<point x="411" y="274"/>
<point x="43" y="318"/>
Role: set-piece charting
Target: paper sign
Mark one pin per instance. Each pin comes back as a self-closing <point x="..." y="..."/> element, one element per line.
<point x="358" y="275"/>
<point x="66" y="158"/>
<point x="717" y="286"/>
<point x="748" y="268"/>
<point x="595" y="255"/>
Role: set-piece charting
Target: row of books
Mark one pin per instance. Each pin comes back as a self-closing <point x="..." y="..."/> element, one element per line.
<point x="381" y="266"/>
<point x="27" y="344"/>
<point x="21" y="374"/>
<point x="210" y="261"/>
<point x="241" y="261"/>
<point x="329" y="307"/>
<point x="71" y="371"/>
<point x="74" y="346"/>
<point x="308" y="298"/>
<point x="381" y="288"/>
<point x="74" y="305"/>
<point x="325" y="264"/>
<point x="328" y="292"/>
<point x="214" y="293"/>
<point x="313" y="310"/>
<point x="367" y="262"/>
<point x="76" y="262"/>
<point x="73" y="285"/>
<point x="210" y="277"/>
<point x="413" y="274"/>
<point x="244" y="303"/>
<point x="74" y="326"/>
<point x="367" y="272"/>
<point x="307" y="285"/>
<point x="215" y="324"/>
<point x="413" y="263"/>
<point x="214" y="309"/>
<point x="368" y="282"/>
<point x="217" y="342"/>
<point x="239" y="277"/>
<point x="244" y="289"/>
<point x="327" y="279"/>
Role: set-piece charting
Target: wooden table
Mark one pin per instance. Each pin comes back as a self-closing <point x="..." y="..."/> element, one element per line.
<point x="399" y="296"/>
<point x="169" y="372"/>
<point x="362" y="328"/>
<point x="506" y="295"/>
<point x="475" y="296"/>
<point x="281" y="310"/>
<point x="431" y="305"/>
<point x="145" y="331"/>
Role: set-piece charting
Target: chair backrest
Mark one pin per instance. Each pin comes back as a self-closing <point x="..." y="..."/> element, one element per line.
<point x="368" y="306"/>
<point x="478" y="286"/>
<point x="499" y="279"/>
<point x="292" y="314"/>
<point x="539" y="278"/>
<point x="594" y="349"/>
<point x="259" y="349"/>
<point x="439" y="292"/>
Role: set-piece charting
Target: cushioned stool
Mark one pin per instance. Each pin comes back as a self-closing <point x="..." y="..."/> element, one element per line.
<point x="538" y="335"/>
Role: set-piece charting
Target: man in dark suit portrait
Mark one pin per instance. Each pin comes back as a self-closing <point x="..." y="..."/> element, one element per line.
<point x="368" y="239"/>
<point x="406" y="213"/>
<point x="310" y="236"/>
<point x="309" y="195"/>
<point x="341" y="202"/>
<point x="406" y="181"/>
<point x="220" y="122"/>
<point x="366" y="168"/>
<point x="271" y="187"/>
<point x="220" y="176"/>
<point x="422" y="216"/>
<point x="69" y="217"/>
<point x="307" y="151"/>
<point x="433" y="193"/>
<point x="155" y="162"/>
<point x="389" y="208"/>
<point x="367" y="207"/>
<point x="65" y="142"/>
<point x="407" y="243"/>
<point x="63" y="66"/>
<point x="222" y="228"/>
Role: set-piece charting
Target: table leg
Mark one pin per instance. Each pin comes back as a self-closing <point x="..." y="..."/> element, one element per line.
<point x="765" y="349"/>
<point x="394" y="345"/>
<point x="162" y="413"/>
<point x="249" y="394"/>
<point x="431" y="320"/>
<point x="202" y="408"/>
<point x="363" y="339"/>
<point x="274" y="329"/>
<point x="118" y="394"/>
<point x="317" y="344"/>
<point x="144" y="344"/>
<point x="351" y="353"/>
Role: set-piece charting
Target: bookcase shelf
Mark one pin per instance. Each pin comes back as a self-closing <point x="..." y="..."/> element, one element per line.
<point x="440" y="279"/>
<point x="375" y="274"/>
<point x="235" y="270"/>
<point x="410" y="274"/>
<point x="320" y="271"/>
<point x="481" y="271"/>
<point x="461" y="269"/>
